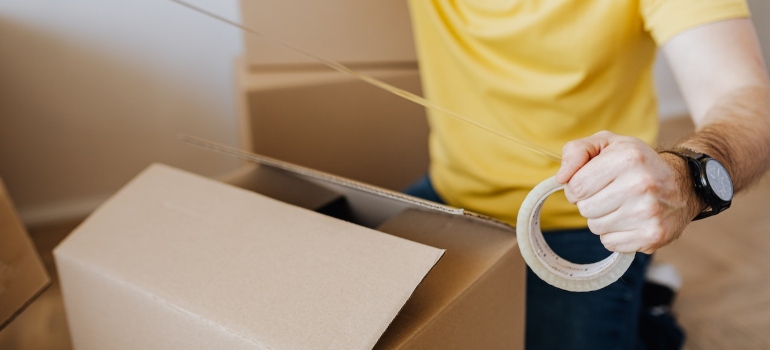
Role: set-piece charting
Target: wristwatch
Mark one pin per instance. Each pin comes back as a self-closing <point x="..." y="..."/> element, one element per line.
<point x="711" y="179"/>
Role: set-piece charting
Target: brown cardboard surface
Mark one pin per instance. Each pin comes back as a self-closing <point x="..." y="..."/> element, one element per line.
<point x="473" y="298"/>
<point x="275" y="183"/>
<point x="349" y="31"/>
<point x="178" y="261"/>
<point x="22" y="274"/>
<point x="342" y="126"/>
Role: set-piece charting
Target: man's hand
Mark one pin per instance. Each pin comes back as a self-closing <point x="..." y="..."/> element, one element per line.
<point x="633" y="197"/>
<point x="638" y="200"/>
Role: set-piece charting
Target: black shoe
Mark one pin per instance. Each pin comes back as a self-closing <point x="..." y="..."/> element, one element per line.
<point x="658" y="328"/>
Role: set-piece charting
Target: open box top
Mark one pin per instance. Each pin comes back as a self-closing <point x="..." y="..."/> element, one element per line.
<point x="188" y="262"/>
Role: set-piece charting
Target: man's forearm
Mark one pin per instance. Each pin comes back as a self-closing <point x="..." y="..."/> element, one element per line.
<point x="736" y="131"/>
<point x="640" y="200"/>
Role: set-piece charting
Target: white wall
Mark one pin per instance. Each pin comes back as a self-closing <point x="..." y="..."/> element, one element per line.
<point x="670" y="101"/>
<point x="760" y="12"/>
<point x="92" y="91"/>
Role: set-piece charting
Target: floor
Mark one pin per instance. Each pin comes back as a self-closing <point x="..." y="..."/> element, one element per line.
<point x="725" y="299"/>
<point x="724" y="303"/>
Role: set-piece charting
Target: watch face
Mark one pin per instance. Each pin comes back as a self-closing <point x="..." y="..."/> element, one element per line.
<point x="719" y="180"/>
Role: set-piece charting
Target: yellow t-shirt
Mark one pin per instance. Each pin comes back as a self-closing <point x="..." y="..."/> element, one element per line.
<point x="545" y="72"/>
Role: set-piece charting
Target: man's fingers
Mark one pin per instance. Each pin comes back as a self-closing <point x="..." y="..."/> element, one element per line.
<point x="623" y="242"/>
<point x="577" y="153"/>
<point x="593" y="177"/>
<point x="597" y="202"/>
<point x="601" y="204"/>
<point x="624" y="189"/>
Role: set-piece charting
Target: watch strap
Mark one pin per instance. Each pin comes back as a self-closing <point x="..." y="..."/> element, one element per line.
<point x="685" y="153"/>
<point x="693" y="158"/>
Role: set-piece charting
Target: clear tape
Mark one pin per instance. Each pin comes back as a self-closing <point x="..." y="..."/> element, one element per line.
<point x="549" y="266"/>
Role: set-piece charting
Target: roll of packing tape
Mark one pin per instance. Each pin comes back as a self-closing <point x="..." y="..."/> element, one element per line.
<point x="550" y="267"/>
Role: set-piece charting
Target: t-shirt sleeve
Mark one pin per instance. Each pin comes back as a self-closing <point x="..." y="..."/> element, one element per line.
<point x="666" y="18"/>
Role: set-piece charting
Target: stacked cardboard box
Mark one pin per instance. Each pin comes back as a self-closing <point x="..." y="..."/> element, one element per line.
<point x="374" y="32"/>
<point x="334" y="123"/>
<point x="298" y="110"/>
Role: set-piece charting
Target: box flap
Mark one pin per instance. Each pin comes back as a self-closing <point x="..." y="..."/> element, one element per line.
<point x="276" y="274"/>
<point x="330" y="179"/>
<point x="274" y="183"/>
<point x="473" y="249"/>
<point x="22" y="274"/>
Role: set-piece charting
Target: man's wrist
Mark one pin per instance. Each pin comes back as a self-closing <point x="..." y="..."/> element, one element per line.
<point x="694" y="204"/>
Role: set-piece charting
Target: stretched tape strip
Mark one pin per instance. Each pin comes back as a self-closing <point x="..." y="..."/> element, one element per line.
<point x="378" y="83"/>
<point x="540" y="258"/>
<point x="549" y="266"/>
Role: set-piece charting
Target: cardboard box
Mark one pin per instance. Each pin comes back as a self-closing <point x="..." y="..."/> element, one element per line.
<point x="373" y="32"/>
<point x="334" y="123"/>
<point x="22" y="274"/>
<point x="293" y="259"/>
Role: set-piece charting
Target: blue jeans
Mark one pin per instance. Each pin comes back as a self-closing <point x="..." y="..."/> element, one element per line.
<point x="557" y="319"/>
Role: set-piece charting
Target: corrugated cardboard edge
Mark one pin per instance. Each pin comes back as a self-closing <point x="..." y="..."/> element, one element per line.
<point x="264" y="160"/>
<point x="260" y="159"/>
<point x="32" y="257"/>
<point x="411" y="294"/>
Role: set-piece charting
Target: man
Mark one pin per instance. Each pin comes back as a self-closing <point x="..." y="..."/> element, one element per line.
<point x="576" y="76"/>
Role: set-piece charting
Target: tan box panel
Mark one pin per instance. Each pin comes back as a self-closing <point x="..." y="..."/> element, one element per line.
<point x="348" y="31"/>
<point x="334" y="123"/>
